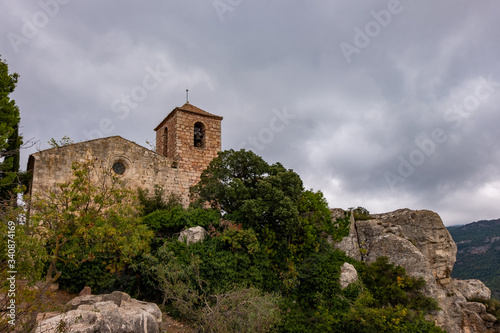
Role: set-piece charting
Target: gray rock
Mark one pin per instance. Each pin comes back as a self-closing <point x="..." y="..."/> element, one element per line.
<point x="419" y="242"/>
<point x="337" y="213"/>
<point x="115" y="312"/>
<point x="79" y="321"/>
<point x="470" y="289"/>
<point x="349" y="244"/>
<point x="425" y="230"/>
<point x="193" y="235"/>
<point x="348" y="275"/>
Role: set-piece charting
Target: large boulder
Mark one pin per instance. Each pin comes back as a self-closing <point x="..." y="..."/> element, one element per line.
<point x="419" y="242"/>
<point x="348" y="275"/>
<point x="426" y="231"/>
<point x="116" y="312"/>
<point x="470" y="289"/>
<point x="193" y="235"/>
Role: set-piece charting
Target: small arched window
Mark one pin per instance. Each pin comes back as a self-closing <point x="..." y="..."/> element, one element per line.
<point x="165" y="141"/>
<point x="199" y="135"/>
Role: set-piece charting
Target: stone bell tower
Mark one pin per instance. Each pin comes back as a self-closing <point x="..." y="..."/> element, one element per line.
<point x="191" y="137"/>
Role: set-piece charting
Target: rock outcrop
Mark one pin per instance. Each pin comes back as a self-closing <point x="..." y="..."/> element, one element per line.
<point x="193" y="235"/>
<point x="419" y="242"/>
<point x="113" y="313"/>
<point x="350" y="243"/>
<point x="348" y="275"/>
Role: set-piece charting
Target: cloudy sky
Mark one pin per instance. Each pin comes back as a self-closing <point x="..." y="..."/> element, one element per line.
<point x="382" y="104"/>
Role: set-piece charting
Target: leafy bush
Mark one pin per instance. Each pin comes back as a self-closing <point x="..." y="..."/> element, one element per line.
<point x="167" y="223"/>
<point x="341" y="227"/>
<point x="96" y="275"/>
<point x="238" y="239"/>
<point x="362" y="318"/>
<point x="390" y="286"/>
<point x="316" y="300"/>
<point x="92" y="215"/>
<point x="361" y="213"/>
<point x="384" y="299"/>
<point x="181" y="274"/>
<point x="240" y="310"/>
<point x="151" y="203"/>
<point x="92" y="274"/>
<point x="252" y="192"/>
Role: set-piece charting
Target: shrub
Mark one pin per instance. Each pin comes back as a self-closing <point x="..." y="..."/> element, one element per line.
<point x="97" y="276"/>
<point x="361" y="213"/>
<point x="492" y="306"/>
<point x="167" y="223"/>
<point x="240" y="310"/>
<point x="390" y="286"/>
<point x="187" y="294"/>
<point x="151" y="203"/>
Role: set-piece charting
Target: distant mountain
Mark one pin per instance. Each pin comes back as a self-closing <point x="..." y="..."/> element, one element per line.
<point x="478" y="255"/>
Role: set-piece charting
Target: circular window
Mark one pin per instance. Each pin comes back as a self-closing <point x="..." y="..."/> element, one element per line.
<point x="119" y="168"/>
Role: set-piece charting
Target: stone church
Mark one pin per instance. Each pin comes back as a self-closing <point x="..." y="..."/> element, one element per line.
<point x="186" y="141"/>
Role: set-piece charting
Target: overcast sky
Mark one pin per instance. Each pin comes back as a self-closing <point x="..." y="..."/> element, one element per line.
<point x="381" y="104"/>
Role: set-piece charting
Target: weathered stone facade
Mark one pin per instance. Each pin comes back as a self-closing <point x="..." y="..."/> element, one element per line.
<point x="176" y="167"/>
<point x="191" y="137"/>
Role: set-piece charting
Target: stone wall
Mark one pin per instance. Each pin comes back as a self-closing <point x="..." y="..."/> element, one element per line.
<point x="143" y="167"/>
<point x="166" y="136"/>
<point x="176" y="167"/>
<point x="179" y="143"/>
<point x="196" y="159"/>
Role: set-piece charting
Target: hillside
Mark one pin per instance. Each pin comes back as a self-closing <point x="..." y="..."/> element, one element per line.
<point x="478" y="255"/>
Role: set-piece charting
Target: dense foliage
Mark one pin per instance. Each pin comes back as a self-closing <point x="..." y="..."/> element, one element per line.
<point x="10" y="140"/>
<point x="271" y="243"/>
<point x="92" y="217"/>
<point x="478" y="255"/>
<point x="268" y="199"/>
<point x="266" y="265"/>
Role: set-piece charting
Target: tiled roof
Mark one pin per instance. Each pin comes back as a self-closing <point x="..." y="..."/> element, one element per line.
<point x="189" y="108"/>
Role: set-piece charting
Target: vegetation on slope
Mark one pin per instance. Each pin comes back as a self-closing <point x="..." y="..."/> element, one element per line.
<point x="265" y="266"/>
<point x="478" y="255"/>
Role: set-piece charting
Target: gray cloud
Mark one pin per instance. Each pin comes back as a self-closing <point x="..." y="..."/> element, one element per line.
<point x="353" y="121"/>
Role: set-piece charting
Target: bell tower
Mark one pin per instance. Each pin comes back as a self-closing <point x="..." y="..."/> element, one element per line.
<point x="191" y="137"/>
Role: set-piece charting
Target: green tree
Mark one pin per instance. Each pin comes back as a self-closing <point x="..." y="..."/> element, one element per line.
<point x="289" y="222"/>
<point x="267" y="198"/>
<point x="91" y="217"/>
<point x="30" y="254"/>
<point x="10" y="140"/>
